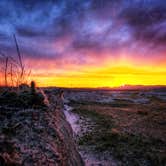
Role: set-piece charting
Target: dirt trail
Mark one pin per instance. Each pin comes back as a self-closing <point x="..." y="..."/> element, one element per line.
<point x="80" y="126"/>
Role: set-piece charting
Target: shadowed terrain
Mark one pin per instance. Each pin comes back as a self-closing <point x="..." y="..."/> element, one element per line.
<point x="37" y="133"/>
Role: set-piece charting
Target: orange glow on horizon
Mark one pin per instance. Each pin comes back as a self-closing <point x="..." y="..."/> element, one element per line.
<point x="105" y="77"/>
<point x="109" y="73"/>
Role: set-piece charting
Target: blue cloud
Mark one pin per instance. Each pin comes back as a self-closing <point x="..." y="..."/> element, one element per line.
<point x="95" y="25"/>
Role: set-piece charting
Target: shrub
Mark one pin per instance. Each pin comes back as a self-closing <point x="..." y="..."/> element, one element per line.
<point x="37" y="99"/>
<point x="25" y="98"/>
<point x="33" y="87"/>
<point x="22" y="99"/>
<point x="9" y="98"/>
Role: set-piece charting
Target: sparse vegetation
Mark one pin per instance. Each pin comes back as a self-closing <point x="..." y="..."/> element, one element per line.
<point x="33" y="87"/>
<point x="115" y="103"/>
<point x="128" y="147"/>
<point x="26" y="98"/>
<point x="13" y="68"/>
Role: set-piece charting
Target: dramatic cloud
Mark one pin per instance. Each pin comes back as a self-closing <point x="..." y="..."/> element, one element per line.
<point x="147" y="21"/>
<point x="77" y="31"/>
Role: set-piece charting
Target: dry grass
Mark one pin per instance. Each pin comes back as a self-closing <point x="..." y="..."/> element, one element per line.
<point x="133" y="133"/>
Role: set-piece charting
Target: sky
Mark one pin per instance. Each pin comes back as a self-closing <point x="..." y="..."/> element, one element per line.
<point x="87" y="43"/>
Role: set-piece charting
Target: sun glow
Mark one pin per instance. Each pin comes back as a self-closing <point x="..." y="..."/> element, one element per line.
<point x="110" y="72"/>
<point x="106" y="76"/>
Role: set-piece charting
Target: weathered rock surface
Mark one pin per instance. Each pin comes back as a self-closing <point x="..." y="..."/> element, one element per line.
<point x="36" y="137"/>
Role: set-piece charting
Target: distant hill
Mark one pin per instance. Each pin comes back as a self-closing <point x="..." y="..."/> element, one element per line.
<point x="125" y="87"/>
<point x="137" y="87"/>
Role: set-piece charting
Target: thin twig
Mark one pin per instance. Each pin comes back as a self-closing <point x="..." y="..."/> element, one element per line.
<point x="20" y="58"/>
<point x="11" y="74"/>
<point x="6" y="67"/>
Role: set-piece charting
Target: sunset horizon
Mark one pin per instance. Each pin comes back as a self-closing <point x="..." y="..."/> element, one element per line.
<point x="83" y="82"/>
<point x="87" y="43"/>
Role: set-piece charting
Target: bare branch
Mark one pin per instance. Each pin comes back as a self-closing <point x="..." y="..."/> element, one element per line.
<point x="20" y="58"/>
<point x="6" y="67"/>
<point x="11" y="74"/>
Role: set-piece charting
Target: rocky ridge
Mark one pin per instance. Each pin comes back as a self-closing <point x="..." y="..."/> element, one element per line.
<point x="37" y="136"/>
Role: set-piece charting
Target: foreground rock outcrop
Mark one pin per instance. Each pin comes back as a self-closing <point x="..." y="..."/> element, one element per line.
<point x="36" y="137"/>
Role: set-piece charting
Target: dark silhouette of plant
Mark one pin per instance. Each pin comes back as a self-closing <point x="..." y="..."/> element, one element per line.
<point x="11" y="74"/>
<point x="14" y="67"/>
<point x="21" y="75"/>
<point x="6" y="60"/>
<point x="6" y="69"/>
<point x="33" y="87"/>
